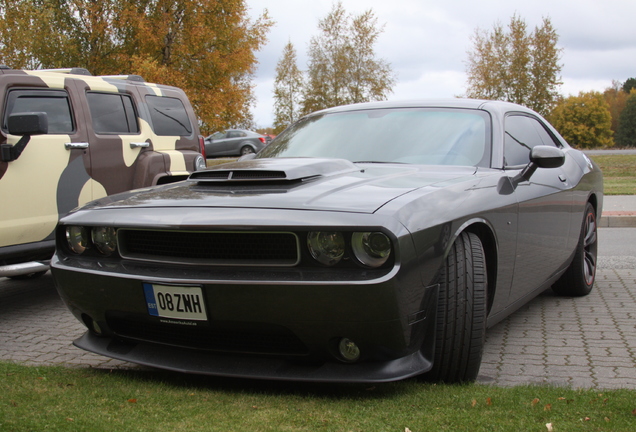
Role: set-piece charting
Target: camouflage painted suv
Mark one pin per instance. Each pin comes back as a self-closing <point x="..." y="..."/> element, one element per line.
<point x="68" y="138"/>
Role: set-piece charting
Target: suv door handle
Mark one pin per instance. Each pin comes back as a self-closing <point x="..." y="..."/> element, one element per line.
<point x="139" y="145"/>
<point x="76" y="145"/>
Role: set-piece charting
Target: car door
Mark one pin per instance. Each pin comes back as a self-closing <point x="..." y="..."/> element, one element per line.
<point x="233" y="142"/>
<point x="545" y="205"/>
<point x="48" y="179"/>
<point x="114" y="135"/>
<point x="221" y="143"/>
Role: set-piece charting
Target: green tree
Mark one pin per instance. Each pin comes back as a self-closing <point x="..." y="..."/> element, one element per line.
<point x="206" y="47"/>
<point x="288" y="88"/>
<point x="516" y="66"/>
<point x="343" y="67"/>
<point x="626" y="134"/>
<point x="629" y="85"/>
<point x="584" y="120"/>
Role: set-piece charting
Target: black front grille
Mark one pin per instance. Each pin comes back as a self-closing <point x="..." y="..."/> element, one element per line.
<point x="221" y="337"/>
<point x="210" y="248"/>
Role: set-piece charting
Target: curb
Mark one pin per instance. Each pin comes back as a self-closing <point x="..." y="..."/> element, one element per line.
<point x="617" y="219"/>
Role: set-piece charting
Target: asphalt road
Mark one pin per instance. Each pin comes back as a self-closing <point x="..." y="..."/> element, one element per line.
<point x="587" y="342"/>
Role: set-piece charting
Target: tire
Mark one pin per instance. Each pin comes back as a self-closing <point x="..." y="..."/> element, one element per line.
<point x="246" y="150"/>
<point x="578" y="279"/>
<point x="462" y="308"/>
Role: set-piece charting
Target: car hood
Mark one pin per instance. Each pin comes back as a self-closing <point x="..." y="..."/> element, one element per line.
<point x="294" y="183"/>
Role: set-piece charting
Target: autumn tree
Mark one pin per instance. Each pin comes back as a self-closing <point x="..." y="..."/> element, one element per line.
<point x="616" y="99"/>
<point x="288" y="88"/>
<point x="343" y="67"/>
<point x="584" y="120"/>
<point x="516" y="65"/>
<point x="206" y="47"/>
<point x="626" y="134"/>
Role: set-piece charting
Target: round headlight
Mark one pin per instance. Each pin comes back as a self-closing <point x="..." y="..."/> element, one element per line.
<point x="105" y="239"/>
<point x="371" y="248"/>
<point x="199" y="163"/>
<point x="77" y="239"/>
<point x="327" y="247"/>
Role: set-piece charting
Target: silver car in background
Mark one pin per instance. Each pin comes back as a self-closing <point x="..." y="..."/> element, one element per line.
<point x="234" y="142"/>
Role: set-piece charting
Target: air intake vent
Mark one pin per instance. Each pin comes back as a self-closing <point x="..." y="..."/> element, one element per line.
<point x="237" y="175"/>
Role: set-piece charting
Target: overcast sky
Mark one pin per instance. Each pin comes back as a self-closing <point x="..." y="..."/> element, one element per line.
<point x="426" y="41"/>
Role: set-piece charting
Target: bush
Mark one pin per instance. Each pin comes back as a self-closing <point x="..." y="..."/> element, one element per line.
<point x="584" y="121"/>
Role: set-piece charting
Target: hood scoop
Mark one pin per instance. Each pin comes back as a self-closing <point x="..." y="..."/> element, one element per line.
<point x="283" y="172"/>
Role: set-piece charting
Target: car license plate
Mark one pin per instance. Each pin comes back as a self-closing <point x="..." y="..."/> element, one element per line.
<point x="178" y="302"/>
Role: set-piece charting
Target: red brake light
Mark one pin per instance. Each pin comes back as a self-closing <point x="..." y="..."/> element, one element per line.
<point x="262" y="139"/>
<point x="202" y="146"/>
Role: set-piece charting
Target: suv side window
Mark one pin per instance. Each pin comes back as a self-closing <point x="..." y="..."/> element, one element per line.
<point x="112" y="113"/>
<point x="169" y="117"/>
<point x="522" y="134"/>
<point x="55" y="103"/>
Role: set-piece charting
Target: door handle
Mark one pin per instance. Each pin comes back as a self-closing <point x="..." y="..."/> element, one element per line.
<point x="139" y="145"/>
<point x="75" y="145"/>
<point x="562" y="178"/>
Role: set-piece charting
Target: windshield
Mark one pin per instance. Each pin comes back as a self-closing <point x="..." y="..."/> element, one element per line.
<point x="431" y="136"/>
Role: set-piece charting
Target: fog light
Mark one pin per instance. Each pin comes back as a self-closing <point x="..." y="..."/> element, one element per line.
<point x="96" y="328"/>
<point x="349" y="350"/>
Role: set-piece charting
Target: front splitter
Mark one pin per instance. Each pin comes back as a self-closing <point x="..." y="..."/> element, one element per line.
<point x="269" y="368"/>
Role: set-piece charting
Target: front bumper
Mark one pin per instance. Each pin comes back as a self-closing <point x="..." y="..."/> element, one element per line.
<point x="198" y="362"/>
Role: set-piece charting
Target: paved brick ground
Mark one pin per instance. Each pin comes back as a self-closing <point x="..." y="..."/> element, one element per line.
<point x="586" y="342"/>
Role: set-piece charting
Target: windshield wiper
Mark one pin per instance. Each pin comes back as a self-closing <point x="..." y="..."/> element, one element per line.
<point x="379" y="162"/>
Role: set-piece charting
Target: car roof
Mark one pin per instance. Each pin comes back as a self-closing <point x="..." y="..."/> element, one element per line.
<point x="487" y="105"/>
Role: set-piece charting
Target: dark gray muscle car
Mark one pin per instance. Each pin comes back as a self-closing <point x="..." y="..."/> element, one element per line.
<point x="367" y="243"/>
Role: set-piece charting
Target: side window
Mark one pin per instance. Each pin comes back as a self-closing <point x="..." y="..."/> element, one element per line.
<point x="522" y="134"/>
<point x="55" y="103"/>
<point x="168" y="116"/>
<point x="112" y="113"/>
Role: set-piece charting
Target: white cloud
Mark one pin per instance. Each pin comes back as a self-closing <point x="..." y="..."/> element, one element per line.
<point x="426" y="41"/>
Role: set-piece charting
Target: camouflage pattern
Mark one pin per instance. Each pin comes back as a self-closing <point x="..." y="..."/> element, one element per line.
<point x="48" y="180"/>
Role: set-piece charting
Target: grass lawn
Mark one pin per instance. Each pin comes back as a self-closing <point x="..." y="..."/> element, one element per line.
<point x="73" y="399"/>
<point x="619" y="173"/>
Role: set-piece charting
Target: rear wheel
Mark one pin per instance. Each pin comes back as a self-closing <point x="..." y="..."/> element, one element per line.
<point x="461" y="313"/>
<point x="578" y="279"/>
<point x="246" y="150"/>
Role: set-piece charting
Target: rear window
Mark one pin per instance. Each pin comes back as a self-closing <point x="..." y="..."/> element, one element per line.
<point x="112" y="113"/>
<point x="169" y="116"/>
<point x="55" y="103"/>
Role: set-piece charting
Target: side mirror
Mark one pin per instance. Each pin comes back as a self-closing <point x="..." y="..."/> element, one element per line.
<point x="541" y="157"/>
<point x="33" y="123"/>
<point x="25" y="124"/>
<point x="547" y="157"/>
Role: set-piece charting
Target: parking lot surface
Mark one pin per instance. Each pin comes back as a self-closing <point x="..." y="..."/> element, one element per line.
<point x="587" y="342"/>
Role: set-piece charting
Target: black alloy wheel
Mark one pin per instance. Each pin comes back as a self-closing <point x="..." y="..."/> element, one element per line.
<point x="578" y="279"/>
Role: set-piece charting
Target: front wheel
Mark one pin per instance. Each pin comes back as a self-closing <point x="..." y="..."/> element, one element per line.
<point x="461" y="313"/>
<point x="578" y="279"/>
